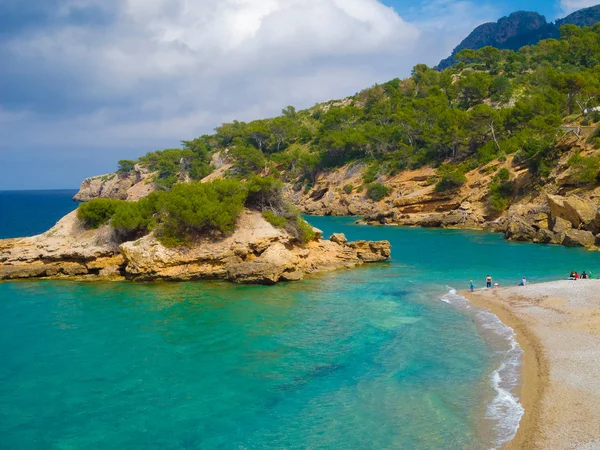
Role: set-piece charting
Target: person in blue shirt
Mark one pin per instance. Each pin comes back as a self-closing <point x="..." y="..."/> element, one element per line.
<point x="471" y="285"/>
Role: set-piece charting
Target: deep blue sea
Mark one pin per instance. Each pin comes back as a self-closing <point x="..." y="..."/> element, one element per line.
<point x="26" y="213"/>
<point x="381" y="357"/>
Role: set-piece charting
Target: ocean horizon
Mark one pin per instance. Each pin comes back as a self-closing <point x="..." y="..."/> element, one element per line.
<point x="384" y="356"/>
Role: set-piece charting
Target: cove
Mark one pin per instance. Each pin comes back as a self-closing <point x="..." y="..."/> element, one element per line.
<point x="367" y="358"/>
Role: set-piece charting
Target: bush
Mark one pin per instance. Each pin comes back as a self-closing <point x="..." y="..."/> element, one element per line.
<point x="190" y="210"/>
<point x="248" y="159"/>
<point x="501" y="190"/>
<point x="452" y="177"/>
<point x="503" y="174"/>
<point x="377" y="191"/>
<point x="274" y="219"/>
<point x="348" y="189"/>
<point x="584" y="170"/>
<point x="133" y="220"/>
<point x="97" y="212"/>
<point x="498" y="203"/>
<point x="265" y="192"/>
<point x="370" y="174"/>
<point x="126" y="165"/>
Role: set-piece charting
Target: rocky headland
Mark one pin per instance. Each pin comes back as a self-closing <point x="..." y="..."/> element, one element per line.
<point x="556" y="213"/>
<point x="256" y="252"/>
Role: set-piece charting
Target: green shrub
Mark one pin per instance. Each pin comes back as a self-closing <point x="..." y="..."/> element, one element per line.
<point x="126" y="165"/>
<point x="377" y="191"/>
<point x="264" y="192"/>
<point x="370" y="174"/>
<point x="501" y="191"/>
<point x="133" y="220"/>
<point x="191" y="210"/>
<point x="498" y="203"/>
<point x="348" y="189"/>
<point x="503" y="174"/>
<point x="274" y="219"/>
<point x="248" y="159"/>
<point x="452" y="177"/>
<point x="97" y="212"/>
<point x="305" y="232"/>
<point x="584" y="169"/>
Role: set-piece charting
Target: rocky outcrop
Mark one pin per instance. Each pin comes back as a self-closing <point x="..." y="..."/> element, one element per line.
<point x="67" y="249"/>
<point x="579" y="212"/>
<point x="255" y="253"/>
<point x="131" y="185"/>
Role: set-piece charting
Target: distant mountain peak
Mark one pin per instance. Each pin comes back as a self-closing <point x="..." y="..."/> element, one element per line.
<point x="519" y="29"/>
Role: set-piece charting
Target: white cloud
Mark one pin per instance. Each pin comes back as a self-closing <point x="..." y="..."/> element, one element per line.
<point x="568" y="6"/>
<point x="165" y="70"/>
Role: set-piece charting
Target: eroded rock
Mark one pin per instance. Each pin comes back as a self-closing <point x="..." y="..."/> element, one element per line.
<point x="256" y="253"/>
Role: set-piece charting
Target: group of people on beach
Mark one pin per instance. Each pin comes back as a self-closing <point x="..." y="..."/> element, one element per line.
<point x="488" y="283"/>
<point x="584" y="275"/>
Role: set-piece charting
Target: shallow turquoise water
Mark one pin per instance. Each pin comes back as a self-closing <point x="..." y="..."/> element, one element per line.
<point x="362" y="359"/>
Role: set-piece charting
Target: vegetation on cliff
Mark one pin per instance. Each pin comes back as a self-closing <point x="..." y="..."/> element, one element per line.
<point x="189" y="211"/>
<point x="493" y="105"/>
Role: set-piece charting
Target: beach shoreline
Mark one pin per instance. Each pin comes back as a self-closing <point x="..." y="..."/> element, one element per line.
<point x="557" y="325"/>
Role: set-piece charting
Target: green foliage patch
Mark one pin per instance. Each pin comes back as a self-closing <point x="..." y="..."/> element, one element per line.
<point x="377" y="191"/>
<point x="584" y="169"/>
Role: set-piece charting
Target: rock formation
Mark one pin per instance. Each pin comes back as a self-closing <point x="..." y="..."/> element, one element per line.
<point x="256" y="252"/>
<point x="131" y="185"/>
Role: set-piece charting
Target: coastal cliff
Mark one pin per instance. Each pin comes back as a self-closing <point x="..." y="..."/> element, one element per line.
<point x="131" y="185"/>
<point x="255" y="253"/>
<point x="557" y="213"/>
<point x="502" y="141"/>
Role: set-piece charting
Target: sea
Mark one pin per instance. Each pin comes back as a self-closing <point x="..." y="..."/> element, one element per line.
<point x="385" y="356"/>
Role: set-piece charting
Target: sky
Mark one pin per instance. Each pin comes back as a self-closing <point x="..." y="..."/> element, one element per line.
<point x="84" y="83"/>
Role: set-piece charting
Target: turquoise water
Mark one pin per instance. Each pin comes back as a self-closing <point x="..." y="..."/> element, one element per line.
<point x="362" y="359"/>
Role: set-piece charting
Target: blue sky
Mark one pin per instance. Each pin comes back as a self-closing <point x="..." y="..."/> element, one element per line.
<point x="85" y="83"/>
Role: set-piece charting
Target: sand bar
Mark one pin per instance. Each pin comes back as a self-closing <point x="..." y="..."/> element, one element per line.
<point x="558" y="326"/>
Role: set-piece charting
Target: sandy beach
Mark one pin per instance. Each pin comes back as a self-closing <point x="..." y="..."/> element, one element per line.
<point x="558" y="326"/>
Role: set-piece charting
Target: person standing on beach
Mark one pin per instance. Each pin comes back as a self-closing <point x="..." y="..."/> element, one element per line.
<point x="488" y="281"/>
<point x="471" y="285"/>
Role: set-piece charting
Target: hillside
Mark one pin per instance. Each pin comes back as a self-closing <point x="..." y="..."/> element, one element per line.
<point x="518" y="30"/>
<point x="502" y="140"/>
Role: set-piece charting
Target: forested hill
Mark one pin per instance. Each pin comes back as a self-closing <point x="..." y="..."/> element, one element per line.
<point x="520" y="29"/>
<point x="483" y="144"/>
<point x="490" y="105"/>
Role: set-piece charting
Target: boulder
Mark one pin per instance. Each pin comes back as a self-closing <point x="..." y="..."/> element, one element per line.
<point x="519" y="230"/>
<point x="560" y="225"/>
<point x="545" y="236"/>
<point x="338" y="238"/>
<point x="579" y="212"/>
<point x="371" y="251"/>
<point x="579" y="238"/>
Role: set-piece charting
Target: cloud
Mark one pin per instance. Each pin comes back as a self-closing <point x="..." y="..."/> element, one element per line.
<point x="568" y="6"/>
<point x="137" y="75"/>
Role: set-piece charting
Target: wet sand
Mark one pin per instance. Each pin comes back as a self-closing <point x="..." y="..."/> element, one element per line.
<point x="558" y="326"/>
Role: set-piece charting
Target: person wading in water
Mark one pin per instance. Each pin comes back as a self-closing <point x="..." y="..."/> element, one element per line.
<point x="488" y="281"/>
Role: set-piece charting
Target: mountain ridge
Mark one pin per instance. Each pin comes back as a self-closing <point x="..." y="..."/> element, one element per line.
<point x="519" y="29"/>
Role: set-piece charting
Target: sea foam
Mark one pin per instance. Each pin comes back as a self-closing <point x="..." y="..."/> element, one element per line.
<point x="505" y="409"/>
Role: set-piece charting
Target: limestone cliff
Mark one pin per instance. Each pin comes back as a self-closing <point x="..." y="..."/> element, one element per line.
<point x="255" y="253"/>
<point x="131" y="185"/>
<point x="413" y="200"/>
